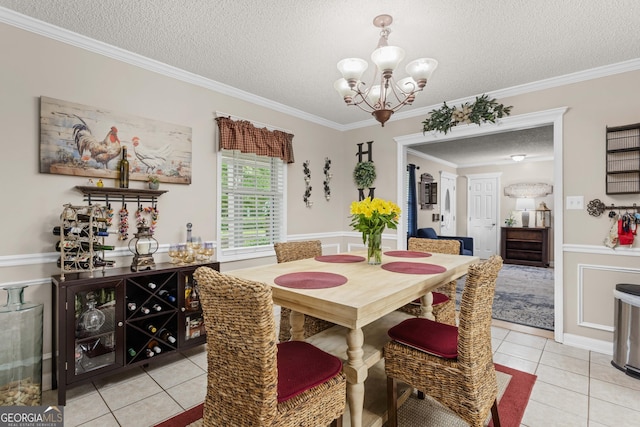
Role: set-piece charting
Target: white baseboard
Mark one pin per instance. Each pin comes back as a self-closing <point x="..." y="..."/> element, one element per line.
<point x="599" y="346"/>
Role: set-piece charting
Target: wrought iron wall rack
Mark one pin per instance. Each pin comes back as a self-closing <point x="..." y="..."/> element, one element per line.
<point x="123" y="195"/>
<point x="597" y="207"/>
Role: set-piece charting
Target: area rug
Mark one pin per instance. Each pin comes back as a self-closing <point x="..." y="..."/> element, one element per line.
<point x="514" y="390"/>
<point x="524" y="295"/>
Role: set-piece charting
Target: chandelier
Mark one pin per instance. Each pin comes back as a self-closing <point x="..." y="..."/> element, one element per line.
<point x="379" y="99"/>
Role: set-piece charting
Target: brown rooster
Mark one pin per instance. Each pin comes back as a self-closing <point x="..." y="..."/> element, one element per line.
<point x="101" y="151"/>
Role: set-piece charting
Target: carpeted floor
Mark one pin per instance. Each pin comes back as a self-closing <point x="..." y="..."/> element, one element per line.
<point x="524" y="295"/>
<point x="514" y="389"/>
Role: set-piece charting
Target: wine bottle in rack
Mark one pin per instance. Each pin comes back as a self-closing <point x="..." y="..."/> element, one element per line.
<point x="153" y="345"/>
<point x="149" y="353"/>
<point x="151" y="285"/>
<point x="75" y="246"/>
<point x="144" y="310"/>
<point x="151" y="328"/>
<point x="163" y="293"/>
<point x="156" y="307"/>
<point x="131" y="306"/>
<point x="132" y="352"/>
<point x="87" y="218"/>
<point x="81" y="231"/>
<point x="166" y="335"/>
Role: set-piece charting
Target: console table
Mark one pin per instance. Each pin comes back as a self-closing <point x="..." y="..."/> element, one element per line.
<point x="525" y="246"/>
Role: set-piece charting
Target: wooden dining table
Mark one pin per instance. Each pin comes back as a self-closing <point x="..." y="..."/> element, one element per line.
<point x="344" y="289"/>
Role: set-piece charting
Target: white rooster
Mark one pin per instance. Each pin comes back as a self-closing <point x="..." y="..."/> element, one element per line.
<point x="153" y="158"/>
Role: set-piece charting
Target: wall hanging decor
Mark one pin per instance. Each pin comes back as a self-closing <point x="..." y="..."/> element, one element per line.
<point x="81" y="140"/>
<point x="327" y="178"/>
<point x="481" y="111"/>
<point x="307" y="183"/>
<point x="527" y="190"/>
<point x="428" y="194"/>
<point x="364" y="173"/>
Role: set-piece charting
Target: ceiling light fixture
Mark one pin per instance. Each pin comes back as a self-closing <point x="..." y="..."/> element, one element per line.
<point x="518" y="157"/>
<point x="378" y="99"/>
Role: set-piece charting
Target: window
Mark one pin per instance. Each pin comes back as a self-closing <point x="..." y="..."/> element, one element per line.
<point x="252" y="204"/>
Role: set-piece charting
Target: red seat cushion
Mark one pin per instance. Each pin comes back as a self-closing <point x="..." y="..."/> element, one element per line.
<point x="302" y="366"/>
<point x="438" y="298"/>
<point x="426" y="335"/>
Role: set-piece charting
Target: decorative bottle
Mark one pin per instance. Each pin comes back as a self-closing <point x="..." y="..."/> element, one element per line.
<point x="123" y="166"/>
<point x="187" y="293"/>
<point x="194" y="301"/>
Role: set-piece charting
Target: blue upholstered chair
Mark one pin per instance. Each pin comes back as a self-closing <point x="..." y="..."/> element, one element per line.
<point x="466" y="243"/>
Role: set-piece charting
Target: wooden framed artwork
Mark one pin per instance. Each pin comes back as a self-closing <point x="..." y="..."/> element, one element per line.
<point x="87" y="141"/>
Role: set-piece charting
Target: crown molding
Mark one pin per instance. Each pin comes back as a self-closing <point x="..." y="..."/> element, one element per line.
<point x="74" y="39"/>
<point x="36" y="26"/>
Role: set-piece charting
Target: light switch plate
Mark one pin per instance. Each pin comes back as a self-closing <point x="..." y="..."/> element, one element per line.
<point x="575" y="202"/>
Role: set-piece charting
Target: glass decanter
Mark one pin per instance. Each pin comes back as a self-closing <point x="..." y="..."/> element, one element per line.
<point x="92" y="319"/>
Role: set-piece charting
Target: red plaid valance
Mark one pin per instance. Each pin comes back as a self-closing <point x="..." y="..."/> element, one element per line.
<point x="245" y="137"/>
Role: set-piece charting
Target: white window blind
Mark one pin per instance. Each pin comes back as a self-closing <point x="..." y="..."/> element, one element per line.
<point x="252" y="203"/>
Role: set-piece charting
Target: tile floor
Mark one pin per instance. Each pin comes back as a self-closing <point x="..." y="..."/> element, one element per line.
<point x="574" y="387"/>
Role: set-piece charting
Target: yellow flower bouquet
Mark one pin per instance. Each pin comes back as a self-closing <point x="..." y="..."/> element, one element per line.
<point x="370" y="217"/>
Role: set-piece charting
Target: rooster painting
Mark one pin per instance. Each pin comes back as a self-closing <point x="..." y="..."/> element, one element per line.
<point x="152" y="158"/>
<point x="88" y="141"/>
<point x="100" y="151"/>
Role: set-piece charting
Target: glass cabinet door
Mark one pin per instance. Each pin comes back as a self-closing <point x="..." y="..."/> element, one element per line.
<point x="98" y="332"/>
<point x="192" y="327"/>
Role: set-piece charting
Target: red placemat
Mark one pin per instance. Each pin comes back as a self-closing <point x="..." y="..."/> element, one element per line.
<point x="339" y="258"/>
<point x="413" y="268"/>
<point x="408" y="254"/>
<point x="310" y="280"/>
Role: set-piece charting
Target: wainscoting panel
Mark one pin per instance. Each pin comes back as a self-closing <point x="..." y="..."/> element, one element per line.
<point x="595" y="293"/>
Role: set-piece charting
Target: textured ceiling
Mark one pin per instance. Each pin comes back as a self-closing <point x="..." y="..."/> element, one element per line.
<point x="286" y="51"/>
<point x="536" y="144"/>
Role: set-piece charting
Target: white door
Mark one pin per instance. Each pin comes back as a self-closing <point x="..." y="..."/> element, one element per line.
<point x="483" y="211"/>
<point x="447" y="204"/>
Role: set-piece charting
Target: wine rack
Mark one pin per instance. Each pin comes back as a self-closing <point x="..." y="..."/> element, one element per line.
<point x="82" y="230"/>
<point x="122" y="319"/>
<point x="161" y="313"/>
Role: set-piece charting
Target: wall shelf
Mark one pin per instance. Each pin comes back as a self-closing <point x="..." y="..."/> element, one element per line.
<point x="106" y="194"/>
<point x="623" y="159"/>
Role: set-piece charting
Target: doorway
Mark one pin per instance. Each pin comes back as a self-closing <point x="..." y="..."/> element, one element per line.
<point x="483" y="207"/>
<point x="552" y="117"/>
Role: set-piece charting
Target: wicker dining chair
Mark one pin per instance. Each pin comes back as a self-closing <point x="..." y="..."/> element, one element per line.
<point x="452" y="365"/>
<point x="444" y="297"/>
<point x="294" y="251"/>
<point x="251" y="379"/>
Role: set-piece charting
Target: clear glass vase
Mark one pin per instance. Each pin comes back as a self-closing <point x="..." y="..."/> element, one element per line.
<point x="374" y="247"/>
<point x="21" y="350"/>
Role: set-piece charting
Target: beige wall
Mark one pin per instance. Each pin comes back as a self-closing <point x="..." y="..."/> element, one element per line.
<point x="35" y="66"/>
<point x="592" y="106"/>
<point x="512" y="173"/>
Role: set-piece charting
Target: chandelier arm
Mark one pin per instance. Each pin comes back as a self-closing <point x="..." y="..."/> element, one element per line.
<point x="408" y="98"/>
<point x="363" y="99"/>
